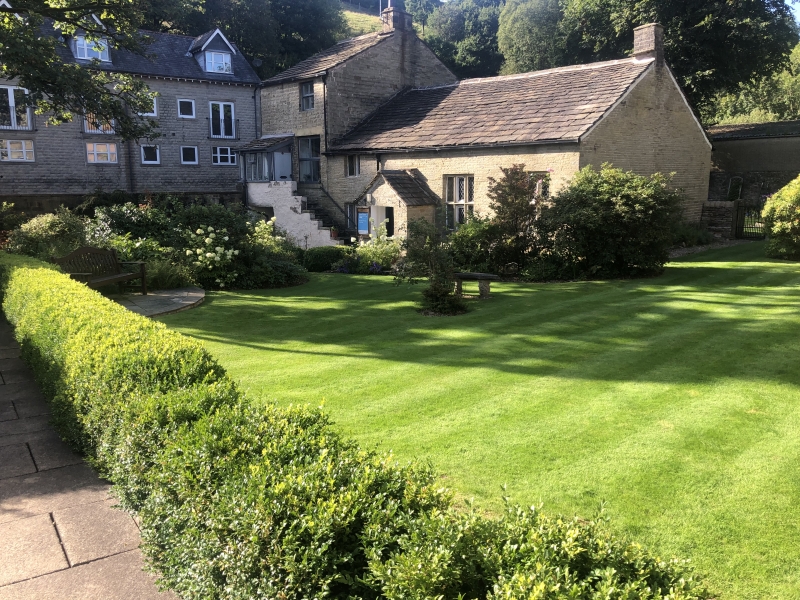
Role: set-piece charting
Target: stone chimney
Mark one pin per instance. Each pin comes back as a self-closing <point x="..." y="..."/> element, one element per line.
<point x="648" y="42"/>
<point x="395" y="19"/>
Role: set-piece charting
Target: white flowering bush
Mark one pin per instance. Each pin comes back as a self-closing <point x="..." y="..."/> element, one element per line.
<point x="212" y="256"/>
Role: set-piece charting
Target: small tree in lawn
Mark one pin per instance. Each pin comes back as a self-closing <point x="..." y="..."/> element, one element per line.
<point x="514" y="198"/>
<point x="428" y="255"/>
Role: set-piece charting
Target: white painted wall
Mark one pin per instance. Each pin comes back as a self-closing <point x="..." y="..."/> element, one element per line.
<point x="289" y="216"/>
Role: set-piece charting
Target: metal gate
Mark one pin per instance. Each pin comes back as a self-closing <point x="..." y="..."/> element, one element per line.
<point x="748" y="224"/>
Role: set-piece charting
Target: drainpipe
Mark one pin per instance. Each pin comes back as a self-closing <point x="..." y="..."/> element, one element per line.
<point x="131" y="178"/>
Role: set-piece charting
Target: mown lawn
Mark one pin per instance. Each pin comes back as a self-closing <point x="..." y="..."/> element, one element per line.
<point x="675" y="400"/>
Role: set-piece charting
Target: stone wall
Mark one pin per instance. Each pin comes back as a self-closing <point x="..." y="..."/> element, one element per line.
<point x="718" y="217"/>
<point x="653" y="130"/>
<point x="61" y="169"/>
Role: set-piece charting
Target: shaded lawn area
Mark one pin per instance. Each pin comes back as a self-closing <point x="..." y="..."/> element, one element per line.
<point x="675" y="400"/>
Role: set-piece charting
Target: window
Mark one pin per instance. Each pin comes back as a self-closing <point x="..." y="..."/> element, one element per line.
<point x="16" y="150"/>
<point x="152" y="112"/>
<point x="185" y="109"/>
<point x="87" y="49"/>
<point x="389" y="212"/>
<point x="353" y="165"/>
<point x="14" y="112"/>
<point x="459" y="199"/>
<point x="92" y="124"/>
<point x="307" y="96"/>
<point x="222" y="120"/>
<point x="188" y="155"/>
<point x="151" y="155"/>
<point x="308" y="153"/>
<point x="101" y="153"/>
<point x="218" y="62"/>
<point x="221" y="155"/>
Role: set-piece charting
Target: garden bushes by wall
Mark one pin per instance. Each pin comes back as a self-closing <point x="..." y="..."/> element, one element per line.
<point x="241" y="501"/>
<point x="782" y="220"/>
<point x="320" y="259"/>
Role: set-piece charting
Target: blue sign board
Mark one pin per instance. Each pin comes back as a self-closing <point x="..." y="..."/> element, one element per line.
<point x="363" y="223"/>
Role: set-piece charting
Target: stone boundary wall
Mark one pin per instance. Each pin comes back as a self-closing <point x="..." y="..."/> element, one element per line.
<point x="718" y="217"/>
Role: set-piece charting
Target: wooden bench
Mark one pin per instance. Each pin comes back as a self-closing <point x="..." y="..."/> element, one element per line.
<point x="484" y="282"/>
<point x="97" y="267"/>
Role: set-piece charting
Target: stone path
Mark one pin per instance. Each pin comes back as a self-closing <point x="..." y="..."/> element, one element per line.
<point x="161" y="302"/>
<point x="60" y="537"/>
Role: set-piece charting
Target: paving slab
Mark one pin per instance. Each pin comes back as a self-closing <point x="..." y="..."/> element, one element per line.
<point x="13" y="370"/>
<point x="15" y="461"/>
<point x="161" y="302"/>
<point x="49" y="452"/>
<point x="92" y="531"/>
<point x="9" y="353"/>
<point x="29" y="425"/>
<point x="46" y="434"/>
<point x="48" y="491"/>
<point x="33" y="406"/>
<point x="29" y="547"/>
<point x="118" y="577"/>
<point x="7" y="411"/>
<point x="23" y="394"/>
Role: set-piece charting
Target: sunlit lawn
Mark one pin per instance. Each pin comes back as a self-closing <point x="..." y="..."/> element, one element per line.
<point x="675" y="400"/>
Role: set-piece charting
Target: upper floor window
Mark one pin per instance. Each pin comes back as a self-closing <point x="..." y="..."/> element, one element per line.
<point x="185" y="109"/>
<point x="101" y="153"/>
<point x="14" y="112"/>
<point x="307" y="96"/>
<point x="153" y="112"/>
<point x="222" y="123"/>
<point x="222" y="155"/>
<point x="89" y="49"/>
<point x="353" y="165"/>
<point x="308" y="150"/>
<point x="218" y="62"/>
<point x="459" y="199"/>
<point x="92" y="124"/>
<point x="151" y="155"/>
<point x="16" y="150"/>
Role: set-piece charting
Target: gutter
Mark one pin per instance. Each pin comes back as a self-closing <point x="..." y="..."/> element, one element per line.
<point x="383" y="149"/>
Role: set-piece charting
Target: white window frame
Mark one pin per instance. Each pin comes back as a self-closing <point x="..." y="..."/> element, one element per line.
<point x="92" y="150"/>
<point x="26" y="149"/>
<point x="196" y="156"/>
<point x="216" y="156"/>
<point x="12" y="108"/>
<point x="84" y="49"/>
<point x="356" y="158"/>
<point x="157" y="161"/>
<point x="104" y="129"/>
<point x="218" y="62"/>
<point x="461" y="199"/>
<point x="154" y="113"/>
<point x="222" y="106"/>
<point x="194" y="109"/>
<point x="307" y="96"/>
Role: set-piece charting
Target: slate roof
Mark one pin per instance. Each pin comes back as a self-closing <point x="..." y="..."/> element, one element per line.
<point x="166" y="55"/>
<point x="754" y="130"/>
<point x="266" y="143"/>
<point x="410" y="189"/>
<point x="557" y="105"/>
<point x="320" y="63"/>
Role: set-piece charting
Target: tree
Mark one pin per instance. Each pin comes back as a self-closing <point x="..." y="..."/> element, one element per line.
<point x="421" y="10"/>
<point x="711" y="45"/>
<point x="29" y="54"/>
<point x="530" y="36"/>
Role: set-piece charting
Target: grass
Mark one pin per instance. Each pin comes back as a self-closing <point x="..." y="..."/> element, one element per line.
<point x="674" y="400"/>
<point x="360" y="21"/>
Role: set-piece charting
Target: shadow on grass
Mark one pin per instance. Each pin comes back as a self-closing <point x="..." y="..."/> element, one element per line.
<point x="705" y="318"/>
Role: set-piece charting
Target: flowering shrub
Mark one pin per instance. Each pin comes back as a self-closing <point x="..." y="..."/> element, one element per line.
<point x="213" y="262"/>
<point x="782" y="221"/>
<point x="375" y="256"/>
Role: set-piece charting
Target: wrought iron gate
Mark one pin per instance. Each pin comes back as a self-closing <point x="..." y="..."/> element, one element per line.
<point x="748" y="224"/>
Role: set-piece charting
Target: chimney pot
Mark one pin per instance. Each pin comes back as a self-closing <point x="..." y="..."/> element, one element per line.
<point x="396" y="19"/>
<point x="648" y="42"/>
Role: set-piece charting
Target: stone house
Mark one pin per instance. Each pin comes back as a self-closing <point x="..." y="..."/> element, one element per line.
<point x="204" y="104"/>
<point x="397" y="134"/>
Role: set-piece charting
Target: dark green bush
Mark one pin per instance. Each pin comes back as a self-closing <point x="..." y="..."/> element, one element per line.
<point x="241" y="501"/>
<point x="321" y="259"/>
<point x="782" y="221"/>
<point x="605" y="224"/>
<point x="49" y="236"/>
<point x="10" y="218"/>
<point x="686" y="235"/>
<point x="473" y="245"/>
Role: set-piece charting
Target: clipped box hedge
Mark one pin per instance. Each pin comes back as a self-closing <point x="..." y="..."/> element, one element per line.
<point x="241" y="501"/>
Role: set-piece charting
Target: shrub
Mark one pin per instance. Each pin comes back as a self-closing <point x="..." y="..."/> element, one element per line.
<point x="379" y="253"/>
<point x="606" y="223"/>
<point x="9" y="217"/>
<point x="243" y="501"/>
<point x="473" y="244"/>
<point x="782" y="222"/>
<point x="687" y="235"/>
<point x="322" y="258"/>
<point x="49" y="236"/>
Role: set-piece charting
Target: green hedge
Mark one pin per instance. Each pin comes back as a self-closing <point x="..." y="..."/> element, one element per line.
<point x="320" y="259"/>
<point x="782" y="221"/>
<point x="240" y="501"/>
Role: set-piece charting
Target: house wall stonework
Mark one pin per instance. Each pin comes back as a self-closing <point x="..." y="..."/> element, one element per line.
<point x="653" y="130"/>
<point x="61" y="171"/>
<point x="562" y="160"/>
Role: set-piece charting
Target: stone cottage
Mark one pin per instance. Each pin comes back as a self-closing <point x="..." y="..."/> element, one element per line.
<point x="204" y="104"/>
<point x="378" y="129"/>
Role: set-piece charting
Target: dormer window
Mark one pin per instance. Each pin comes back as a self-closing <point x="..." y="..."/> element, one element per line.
<point x="90" y="49"/>
<point x="218" y="62"/>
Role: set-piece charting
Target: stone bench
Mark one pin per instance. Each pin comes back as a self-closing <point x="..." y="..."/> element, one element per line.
<point x="484" y="282"/>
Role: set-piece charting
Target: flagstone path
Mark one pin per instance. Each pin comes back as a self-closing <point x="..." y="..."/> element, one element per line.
<point x="60" y="536"/>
